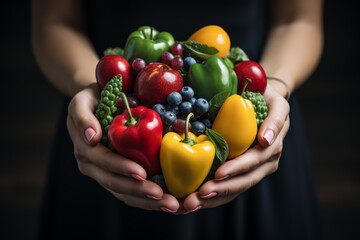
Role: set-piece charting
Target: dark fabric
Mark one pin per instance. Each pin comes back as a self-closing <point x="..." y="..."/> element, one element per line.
<point x="281" y="206"/>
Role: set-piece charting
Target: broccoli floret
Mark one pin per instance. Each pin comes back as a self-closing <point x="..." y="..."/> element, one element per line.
<point x="107" y="106"/>
<point x="260" y="107"/>
<point x="114" y="51"/>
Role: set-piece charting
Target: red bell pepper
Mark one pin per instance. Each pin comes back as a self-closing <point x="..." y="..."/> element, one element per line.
<point x="137" y="134"/>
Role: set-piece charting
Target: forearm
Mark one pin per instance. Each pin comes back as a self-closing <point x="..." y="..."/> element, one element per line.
<point x="63" y="52"/>
<point x="293" y="51"/>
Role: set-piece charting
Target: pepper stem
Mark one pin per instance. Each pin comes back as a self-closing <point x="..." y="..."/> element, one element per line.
<point x="131" y="121"/>
<point x="151" y="33"/>
<point x="248" y="80"/>
<point x="187" y="139"/>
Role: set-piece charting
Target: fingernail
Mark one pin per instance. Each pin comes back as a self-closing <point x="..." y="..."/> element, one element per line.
<point x="153" y="197"/>
<point x="269" y="136"/>
<point x="222" y="178"/>
<point x="210" y="195"/>
<point x="89" y="134"/>
<point x="137" y="177"/>
<point x="167" y="210"/>
<point x="195" y="209"/>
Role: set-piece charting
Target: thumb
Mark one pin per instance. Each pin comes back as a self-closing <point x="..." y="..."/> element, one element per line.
<point x="278" y="112"/>
<point x="81" y="111"/>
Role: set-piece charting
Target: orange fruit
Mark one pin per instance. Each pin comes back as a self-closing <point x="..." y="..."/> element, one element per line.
<point x="213" y="36"/>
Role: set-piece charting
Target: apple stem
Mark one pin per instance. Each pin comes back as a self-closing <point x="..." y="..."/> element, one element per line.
<point x="151" y="33"/>
<point x="187" y="139"/>
<point x="248" y="80"/>
<point x="131" y="121"/>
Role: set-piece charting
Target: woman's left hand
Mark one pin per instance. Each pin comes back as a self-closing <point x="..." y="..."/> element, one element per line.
<point x="243" y="172"/>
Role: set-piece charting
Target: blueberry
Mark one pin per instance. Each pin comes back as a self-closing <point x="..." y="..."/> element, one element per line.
<point x="159" y="108"/>
<point x="169" y="118"/>
<point x="170" y="108"/>
<point x="201" y="106"/>
<point x="188" y="61"/>
<point x="174" y="99"/>
<point x="198" y="127"/>
<point x="207" y="123"/>
<point x="193" y="100"/>
<point x="186" y="107"/>
<point x="187" y="93"/>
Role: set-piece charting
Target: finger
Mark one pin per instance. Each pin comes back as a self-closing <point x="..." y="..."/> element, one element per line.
<point x="122" y="184"/>
<point x="102" y="157"/>
<point x="253" y="158"/>
<point x="194" y="202"/>
<point x="81" y="110"/>
<point x="278" y="111"/>
<point x="168" y="203"/>
<point x="235" y="185"/>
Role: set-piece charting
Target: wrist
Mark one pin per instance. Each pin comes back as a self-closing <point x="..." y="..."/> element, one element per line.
<point x="280" y="86"/>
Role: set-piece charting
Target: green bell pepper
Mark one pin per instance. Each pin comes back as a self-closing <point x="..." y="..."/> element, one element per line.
<point x="211" y="77"/>
<point x="147" y="43"/>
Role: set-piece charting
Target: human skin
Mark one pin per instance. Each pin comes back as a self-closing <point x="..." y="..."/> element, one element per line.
<point x="65" y="55"/>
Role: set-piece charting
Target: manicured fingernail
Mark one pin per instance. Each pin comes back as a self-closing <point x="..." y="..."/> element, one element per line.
<point x="137" y="177"/>
<point x="89" y="134"/>
<point x="222" y="178"/>
<point x="210" y="195"/>
<point x="269" y="136"/>
<point x="195" y="209"/>
<point x="167" y="210"/>
<point x="153" y="197"/>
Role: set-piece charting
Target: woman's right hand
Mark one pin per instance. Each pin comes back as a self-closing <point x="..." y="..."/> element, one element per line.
<point x="122" y="177"/>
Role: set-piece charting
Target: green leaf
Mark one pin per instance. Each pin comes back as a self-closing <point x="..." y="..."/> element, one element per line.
<point x="198" y="50"/>
<point x="236" y="54"/>
<point x="218" y="100"/>
<point x="221" y="146"/>
<point x="114" y="51"/>
<point x="214" y="106"/>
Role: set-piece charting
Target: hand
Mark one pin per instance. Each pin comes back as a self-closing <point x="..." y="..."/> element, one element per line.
<point x="243" y="172"/>
<point x="124" y="178"/>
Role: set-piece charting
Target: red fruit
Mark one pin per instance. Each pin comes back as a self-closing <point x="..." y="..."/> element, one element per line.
<point x="155" y="82"/>
<point x="254" y="71"/>
<point x="179" y="126"/>
<point x="110" y="66"/>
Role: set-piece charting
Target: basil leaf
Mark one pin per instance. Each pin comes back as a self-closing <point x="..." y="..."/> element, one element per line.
<point x="198" y="50"/>
<point x="221" y="146"/>
<point x="114" y="51"/>
<point x="236" y="54"/>
<point x="218" y="100"/>
<point x="214" y="106"/>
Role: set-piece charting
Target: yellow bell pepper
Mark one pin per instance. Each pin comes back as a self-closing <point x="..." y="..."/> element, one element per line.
<point x="236" y="122"/>
<point x="185" y="161"/>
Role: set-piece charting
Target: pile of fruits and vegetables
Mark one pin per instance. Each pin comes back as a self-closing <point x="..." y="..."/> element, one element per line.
<point x="180" y="109"/>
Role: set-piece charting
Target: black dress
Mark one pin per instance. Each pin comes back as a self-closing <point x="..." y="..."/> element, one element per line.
<point x="282" y="206"/>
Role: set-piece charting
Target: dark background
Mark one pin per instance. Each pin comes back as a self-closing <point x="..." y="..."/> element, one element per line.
<point x="329" y="100"/>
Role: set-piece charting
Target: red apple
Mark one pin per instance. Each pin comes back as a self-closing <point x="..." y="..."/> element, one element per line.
<point x="254" y="71"/>
<point x="110" y="66"/>
<point x="155" y="82"/>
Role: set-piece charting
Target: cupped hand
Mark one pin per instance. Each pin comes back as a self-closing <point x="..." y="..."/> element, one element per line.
<point x="124" y="178"/>
<point x="243" y="172"/>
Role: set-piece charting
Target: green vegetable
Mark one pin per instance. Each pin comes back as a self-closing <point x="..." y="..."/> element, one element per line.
<point x="107" y="108"/>
<point x="236" y="54"/>
<point x="147" y="43"/>
<point x="114" y="51"/>
<point x="211" y="77"/>
<point x="260" y="107"/>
